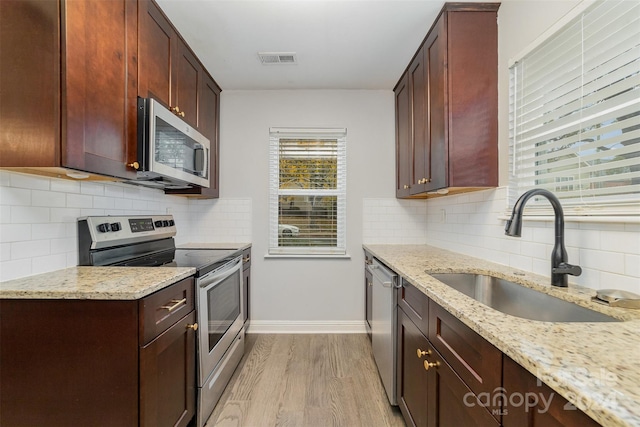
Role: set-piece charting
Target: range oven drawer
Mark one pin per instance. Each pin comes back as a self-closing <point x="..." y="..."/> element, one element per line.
<point x="162" y="309"/>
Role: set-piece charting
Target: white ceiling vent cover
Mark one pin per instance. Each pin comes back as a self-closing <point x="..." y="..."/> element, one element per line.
<point x="270" y="58"/>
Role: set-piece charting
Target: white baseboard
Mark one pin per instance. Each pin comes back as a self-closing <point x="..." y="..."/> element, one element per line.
<point x="306" y="327"/>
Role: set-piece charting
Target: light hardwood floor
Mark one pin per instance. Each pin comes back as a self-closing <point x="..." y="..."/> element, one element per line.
<point x="318" y="380"/>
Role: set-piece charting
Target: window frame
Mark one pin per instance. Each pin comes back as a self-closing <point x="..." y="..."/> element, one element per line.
<point x="340" y="192"/>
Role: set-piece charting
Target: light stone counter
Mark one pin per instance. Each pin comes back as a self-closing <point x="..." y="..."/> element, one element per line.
<point x="593" y="365"/>
<point x="97" y="283"/>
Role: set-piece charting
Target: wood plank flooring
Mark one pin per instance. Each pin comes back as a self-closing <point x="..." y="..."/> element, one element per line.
<point x="318" y="380"/>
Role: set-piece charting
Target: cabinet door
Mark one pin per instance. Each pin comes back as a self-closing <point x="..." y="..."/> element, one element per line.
<point x="473" y="358"/>
<point x="533" y="412"/>
<point x="453" y="404"/>
<point x="209" y="126"/>
<point x="418" y="92"/>
<point x="437" y="133"/>
<point x="168" y="375"/>
<point x="185" y="84"/>
<point x="413" y="392"/>
<point x="404" y="160"/>
<point x="158" y="45"/>
<point x="99" y="86"/>
<point x="30" y="83"/>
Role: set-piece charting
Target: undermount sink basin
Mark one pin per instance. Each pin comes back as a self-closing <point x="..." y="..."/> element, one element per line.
<point x="517" y="300"/>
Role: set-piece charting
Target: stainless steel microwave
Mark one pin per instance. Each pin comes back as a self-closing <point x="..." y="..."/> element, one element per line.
<point x="171" y="154"/>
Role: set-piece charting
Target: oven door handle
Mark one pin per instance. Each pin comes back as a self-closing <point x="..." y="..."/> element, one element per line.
<point x="210" y="280"/>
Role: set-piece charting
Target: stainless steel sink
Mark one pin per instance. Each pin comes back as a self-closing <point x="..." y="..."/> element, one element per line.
<point x="517" y="300"/>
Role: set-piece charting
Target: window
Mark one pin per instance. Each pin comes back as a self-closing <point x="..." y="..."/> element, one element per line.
<point x="307" y="191"/>
<point x="575" y="113"/>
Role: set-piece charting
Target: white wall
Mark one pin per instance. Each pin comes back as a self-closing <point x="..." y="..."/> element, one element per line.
<point x="298" y="294"/>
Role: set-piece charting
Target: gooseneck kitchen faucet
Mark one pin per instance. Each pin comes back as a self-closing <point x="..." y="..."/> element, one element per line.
<point x="559" y="265"/>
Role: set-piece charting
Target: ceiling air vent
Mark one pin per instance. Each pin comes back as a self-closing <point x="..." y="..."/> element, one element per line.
<point x="269" y="58"/>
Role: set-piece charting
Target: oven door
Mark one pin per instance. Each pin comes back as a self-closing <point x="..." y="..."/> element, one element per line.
<point x="220" y="314"/>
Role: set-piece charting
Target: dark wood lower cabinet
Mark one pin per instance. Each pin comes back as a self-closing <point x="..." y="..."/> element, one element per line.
<point x="413" y="391"/>
<point x="430" y="393"/>
<point x="86" y="363"/>
<point x="448" y="375"/>
<point x="531" y="403"/>
<point x="167" y="394"/>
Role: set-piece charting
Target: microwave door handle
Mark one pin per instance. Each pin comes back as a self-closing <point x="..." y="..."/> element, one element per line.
<point x="200" y="160"/>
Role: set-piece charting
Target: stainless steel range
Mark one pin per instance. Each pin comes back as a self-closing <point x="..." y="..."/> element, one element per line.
<point x="139" y="241"/>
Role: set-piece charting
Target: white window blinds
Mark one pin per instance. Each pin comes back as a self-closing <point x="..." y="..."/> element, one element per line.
<point x="575" y="113"/>
<point x="307" y="191"/>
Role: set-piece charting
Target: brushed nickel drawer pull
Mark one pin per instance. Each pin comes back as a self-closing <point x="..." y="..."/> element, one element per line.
<point x="176" y="304"/>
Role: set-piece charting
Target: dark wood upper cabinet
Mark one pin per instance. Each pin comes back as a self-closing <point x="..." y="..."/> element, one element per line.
<point x="68" y="92"/>
<point x="453" y="105"/>
<point x="404" y="145"/>
<point x="169" y="71"/>
<point x="172" y="74"/>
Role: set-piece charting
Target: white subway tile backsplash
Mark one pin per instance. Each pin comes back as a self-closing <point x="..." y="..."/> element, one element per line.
<point x="604" y="261"/>
<point x="15" y="269"/>
<point x="616" y="241"/>
<point x="632" y="265"/>
<point x="5" y="251"/>
<point x="48" y="198"/>
<point x="65" y="185"/>
<point x="5" y="214"/>
<point x="19" y="180"/>
<point x="15" y="232"/>
<point x="10" y="196"/>
<point x="92" y="188"/>
<point x="50" y="230"/>
<point x="64" y="214"/>
<point x="29" y="214"/>
<point x="29" y="249"/>
<point x="45" y="264"/>
<point x="79" y="201"/>
<point x="618" y="281"/>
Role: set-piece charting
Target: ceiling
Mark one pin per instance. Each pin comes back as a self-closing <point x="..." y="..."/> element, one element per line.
<point x="340" y="44"/>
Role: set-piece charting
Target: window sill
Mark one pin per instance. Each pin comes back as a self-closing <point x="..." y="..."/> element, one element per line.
<point x="306" y="256"/>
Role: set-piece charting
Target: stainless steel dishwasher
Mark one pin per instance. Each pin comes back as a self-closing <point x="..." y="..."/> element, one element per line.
<point x="383" y="325"/>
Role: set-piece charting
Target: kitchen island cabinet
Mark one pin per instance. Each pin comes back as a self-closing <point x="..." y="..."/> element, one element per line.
<point x="68" y="90"/>
<point x="99" y="362"/>
<point x="446" y="106"/>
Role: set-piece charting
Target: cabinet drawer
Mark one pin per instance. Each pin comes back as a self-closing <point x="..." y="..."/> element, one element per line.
<point x="162" y="309"/>
<point x="415" y="304"/>
<point x="473" y="358"/>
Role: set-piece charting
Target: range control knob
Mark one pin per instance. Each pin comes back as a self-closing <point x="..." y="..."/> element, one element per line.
<point x="165" y="223"/>
<point x="116" y="226"/>
<point x="158" y="224"/>
<point x="171" y="223"/>
<point x="104" y="228"/>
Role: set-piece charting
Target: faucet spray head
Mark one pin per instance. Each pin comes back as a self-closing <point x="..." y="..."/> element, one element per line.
<point x="513" y="227"/>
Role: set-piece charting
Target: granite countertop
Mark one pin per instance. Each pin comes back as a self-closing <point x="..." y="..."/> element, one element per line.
<point x="97" y="283"/>
<point x="593" y="365"/>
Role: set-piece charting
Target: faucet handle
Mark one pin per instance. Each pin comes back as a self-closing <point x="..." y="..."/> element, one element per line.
<point x="566" y="268"/>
